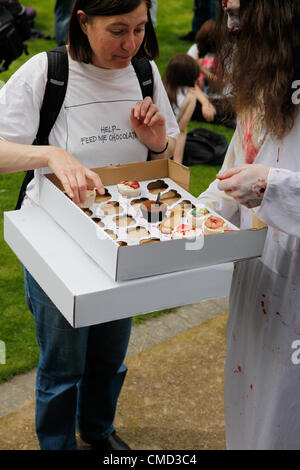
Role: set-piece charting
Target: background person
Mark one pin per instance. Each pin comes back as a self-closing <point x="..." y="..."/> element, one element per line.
<point x="62" y="12"/>
<point x="153" y="12"/>
<point x="203" y="10"/>
<point x="81" y="371"/>
<point x="180" y="79"/>
<point x="204" y="51"/>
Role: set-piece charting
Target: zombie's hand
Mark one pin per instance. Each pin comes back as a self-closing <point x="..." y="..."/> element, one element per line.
<point x="246" y="183"/>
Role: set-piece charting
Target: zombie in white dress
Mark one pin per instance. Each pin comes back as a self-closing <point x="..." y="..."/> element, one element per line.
<point x="262" y="375"/>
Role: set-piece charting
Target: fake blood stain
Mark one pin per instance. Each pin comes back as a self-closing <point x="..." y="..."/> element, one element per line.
<point x="249" y="148"/>
<point x="263" y="308"/>
<point x="263" y="304"/>
<point x="238" y="370"/>
<point x="282" y="321"/>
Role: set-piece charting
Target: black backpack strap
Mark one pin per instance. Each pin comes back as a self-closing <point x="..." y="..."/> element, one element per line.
<point x="57" y="81"/>
<point x="144" y="74"/>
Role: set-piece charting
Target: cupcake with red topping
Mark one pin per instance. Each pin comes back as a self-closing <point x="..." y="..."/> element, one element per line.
<point x="214" y="224"/>
<point x="183" y="231"/>
<point x="90" y="197"/>
<point x="129" y="189"/>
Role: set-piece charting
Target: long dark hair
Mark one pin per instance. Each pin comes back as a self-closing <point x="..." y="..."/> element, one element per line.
<point x="182" y="71"/>
<point x="79" y="46"/>
<point x="261" y="61"/>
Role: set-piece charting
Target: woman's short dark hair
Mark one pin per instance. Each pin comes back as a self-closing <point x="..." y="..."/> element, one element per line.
<point x="79" y="46"/>
<point x="182" y="71"/>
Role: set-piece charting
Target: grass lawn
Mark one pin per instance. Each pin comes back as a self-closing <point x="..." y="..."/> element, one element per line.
<point x="16" y="323"/>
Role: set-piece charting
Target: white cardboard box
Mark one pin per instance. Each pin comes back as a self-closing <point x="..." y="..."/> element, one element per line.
<point x="132" y="262"/>
<point x="83" y="292"/>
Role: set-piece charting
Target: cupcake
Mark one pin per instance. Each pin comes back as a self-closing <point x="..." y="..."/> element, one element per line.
<point x="129" y="189"/>
<point x="153" y="212"/>
<point x="197" y="216"/>
<point x="167" y="226"/>
<point x="214" y="224"/>
<point x="183" y="231"/>
<point x="90" y="198"/>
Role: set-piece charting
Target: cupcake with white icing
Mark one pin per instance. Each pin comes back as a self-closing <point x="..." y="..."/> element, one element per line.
<point x="90" y="198"/>
<point x="129" y="189"/>
<point x="197" y="216"/>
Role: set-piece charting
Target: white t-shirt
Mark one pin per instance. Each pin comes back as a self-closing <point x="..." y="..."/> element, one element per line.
<point x="94" y="122"/>
<point x="193" y="51"/>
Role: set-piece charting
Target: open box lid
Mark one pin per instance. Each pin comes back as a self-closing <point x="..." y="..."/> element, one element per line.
<point x="140" y="171"/>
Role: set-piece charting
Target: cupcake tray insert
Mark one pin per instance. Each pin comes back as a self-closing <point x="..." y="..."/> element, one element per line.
<point x="122" y="220"/>
<point x="120" y="240"/>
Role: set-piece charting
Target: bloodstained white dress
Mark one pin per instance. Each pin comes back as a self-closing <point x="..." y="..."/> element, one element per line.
<point x="262" y="374"/>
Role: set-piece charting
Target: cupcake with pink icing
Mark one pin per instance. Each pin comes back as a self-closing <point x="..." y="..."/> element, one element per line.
<point x="183" y="231"/>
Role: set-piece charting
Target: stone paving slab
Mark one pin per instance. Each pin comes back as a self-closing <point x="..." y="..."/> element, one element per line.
<point x="173" y="397"/>
<point x="18" y="391"/>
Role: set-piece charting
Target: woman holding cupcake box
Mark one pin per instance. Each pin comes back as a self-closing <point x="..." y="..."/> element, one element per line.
<point x="81" y="371"/>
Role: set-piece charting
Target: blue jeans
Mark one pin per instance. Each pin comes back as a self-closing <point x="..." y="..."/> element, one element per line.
<point x="80" y="373"/>
<point x="62" y="12"/>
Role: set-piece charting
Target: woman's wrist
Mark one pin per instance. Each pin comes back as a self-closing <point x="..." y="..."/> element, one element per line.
<point x="46" y="153"/>
<point x="155" y="152"/>
<point x="36" y="156"/>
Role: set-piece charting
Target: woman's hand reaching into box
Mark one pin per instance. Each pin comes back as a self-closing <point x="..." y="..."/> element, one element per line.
<point x="73" y="175"/>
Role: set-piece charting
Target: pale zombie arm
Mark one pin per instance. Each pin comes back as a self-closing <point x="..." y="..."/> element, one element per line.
<point x="274" y="192"/>
<point x="280" y="207"/>
<point x="246" y="184"/>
